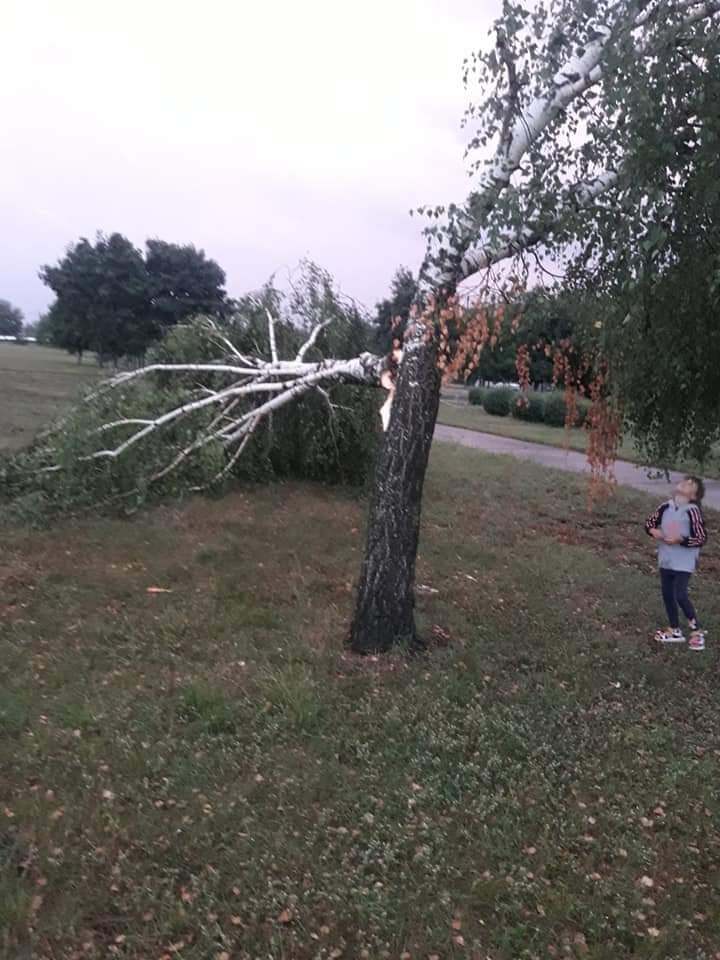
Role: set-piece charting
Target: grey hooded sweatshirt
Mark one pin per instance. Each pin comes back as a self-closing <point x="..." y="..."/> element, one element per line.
<point x="678" y="520"/>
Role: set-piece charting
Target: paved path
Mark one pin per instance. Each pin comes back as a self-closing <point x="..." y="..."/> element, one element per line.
<point x="627" y="474"/>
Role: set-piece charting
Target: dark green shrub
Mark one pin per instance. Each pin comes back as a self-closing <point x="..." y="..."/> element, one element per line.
<point x="476" y="396"/>
<point x="583" y="408"/>
<point x="498" y="401"/>
<point x="532" y="410"/>
<point x="555" y="409"/>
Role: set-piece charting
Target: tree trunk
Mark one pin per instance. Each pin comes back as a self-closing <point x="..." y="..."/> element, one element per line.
<point x="384" y="611"/>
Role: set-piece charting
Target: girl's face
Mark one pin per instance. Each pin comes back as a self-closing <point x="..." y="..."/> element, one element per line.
<point x="686" y="488"/>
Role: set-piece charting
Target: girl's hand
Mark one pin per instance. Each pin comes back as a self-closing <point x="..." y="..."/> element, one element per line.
<point x="673" y="541"/>
<point x="657" y="533"/>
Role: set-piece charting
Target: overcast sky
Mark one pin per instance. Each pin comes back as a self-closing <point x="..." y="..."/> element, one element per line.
<point x="259" y="131"/>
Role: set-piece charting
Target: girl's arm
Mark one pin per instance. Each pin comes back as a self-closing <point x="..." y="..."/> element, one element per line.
<point x="698" y="536"/>
<point x="654" y="520"/>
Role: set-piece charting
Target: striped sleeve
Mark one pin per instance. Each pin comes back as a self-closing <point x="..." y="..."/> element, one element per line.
<point x="654" y="520"/>
<point x="698" y="536"/>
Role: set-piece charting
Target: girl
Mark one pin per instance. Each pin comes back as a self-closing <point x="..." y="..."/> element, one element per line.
<point x="679" y="529"/>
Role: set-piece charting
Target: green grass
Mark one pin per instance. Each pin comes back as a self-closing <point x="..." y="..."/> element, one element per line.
<point x="36" y="384"/>
<point x="206" y="771"/>
<point x="476" y="418"/>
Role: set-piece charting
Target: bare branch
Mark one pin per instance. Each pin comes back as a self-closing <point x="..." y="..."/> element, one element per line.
<point x="579" y="195"/>
<point x="225" y="342"/>
<point x="221" y="474"/>
<point x="512" y="98"/>
<point x="350" y="369"/>
<point x="255" y="379"/>
<point x="340" y="370"/>
<point x="311" y="340"/>
<point x="123" y="378"/>
<point x="202" y="441"/>
<point x="282" y="368"/>
<point x="271" y="332"/>
<point x="123" y="423"/>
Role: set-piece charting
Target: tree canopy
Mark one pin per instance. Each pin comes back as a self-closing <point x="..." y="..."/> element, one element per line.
<point x="182" y="282"/>
<point x="392" y="312"/>
<point x="651" y="279"/>
<point x="112" y="299"/>
<point x="11" y="319"/>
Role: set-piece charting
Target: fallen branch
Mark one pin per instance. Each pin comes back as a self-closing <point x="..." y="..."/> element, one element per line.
<point x="254" y="389"/>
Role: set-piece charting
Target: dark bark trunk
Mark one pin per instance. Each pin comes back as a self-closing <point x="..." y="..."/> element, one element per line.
<point x="384" y="611"/>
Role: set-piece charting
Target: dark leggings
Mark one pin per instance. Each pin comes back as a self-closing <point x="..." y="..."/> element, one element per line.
<point x="675" y="591"/>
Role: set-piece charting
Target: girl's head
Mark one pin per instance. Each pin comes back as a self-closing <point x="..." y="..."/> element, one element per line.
<point x="691" y="489"/>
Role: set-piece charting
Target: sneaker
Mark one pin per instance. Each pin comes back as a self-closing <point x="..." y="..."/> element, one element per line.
<point x="697" y="640"/>
<point x="670" y="636"/>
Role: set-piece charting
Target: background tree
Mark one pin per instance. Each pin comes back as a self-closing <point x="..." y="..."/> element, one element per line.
<point x="315" y="303"/>
<point x="543" y="319"/>
<point x="112" y="300"/>
<point x="101" y="299"/>
<point x="391" y="314"/>
<point x="11" y="319"/>
<point x="497" y="365"/>
<point x="550" y="317"/>
<point x="42" y="329"/>
<point x="183" y="283"/>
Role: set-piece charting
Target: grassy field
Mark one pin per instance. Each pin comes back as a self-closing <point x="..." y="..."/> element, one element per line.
<point x="192" y="767"/>
<point x="35" y="384"/>
<point x="476" y="418"/>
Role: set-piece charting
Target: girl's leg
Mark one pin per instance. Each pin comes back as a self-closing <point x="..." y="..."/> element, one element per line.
<point x="681" y="592"/>
<point x="667" y="582"/>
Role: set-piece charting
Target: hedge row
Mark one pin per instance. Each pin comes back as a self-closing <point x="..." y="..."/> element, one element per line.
<point x="548" y="408"/>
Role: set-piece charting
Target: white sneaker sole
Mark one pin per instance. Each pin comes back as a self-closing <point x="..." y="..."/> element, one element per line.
<point x="672" y="640"/>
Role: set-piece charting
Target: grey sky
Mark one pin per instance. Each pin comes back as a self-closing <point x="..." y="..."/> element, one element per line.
<point x="261" y="132"/>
